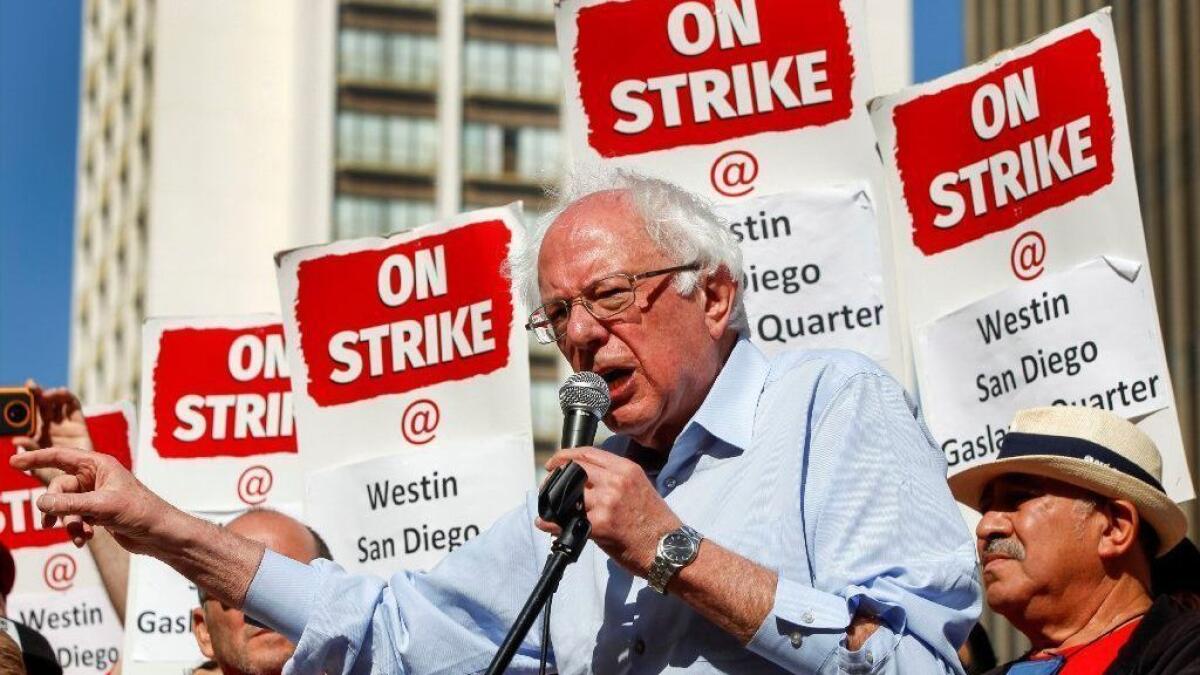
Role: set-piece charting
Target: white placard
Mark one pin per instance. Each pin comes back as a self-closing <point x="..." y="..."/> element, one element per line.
<point x="812" y="270"/>
<point x="407" y="511"/>
<point x="1011" y="171"/>
<point x="80" y="625"/>
<point x="407" y="342"/>
<point x="410" y="348"/>
<point x="1049" y="342"/>
<point x="158" y="613"/>
<point x="771" y="101"/>
<point x="216" y="405"/>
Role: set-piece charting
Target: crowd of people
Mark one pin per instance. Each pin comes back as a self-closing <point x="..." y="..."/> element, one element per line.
<point x="750" y="514"/>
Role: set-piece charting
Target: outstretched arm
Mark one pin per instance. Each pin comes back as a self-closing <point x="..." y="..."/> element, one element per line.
<point x="94" y="489"/>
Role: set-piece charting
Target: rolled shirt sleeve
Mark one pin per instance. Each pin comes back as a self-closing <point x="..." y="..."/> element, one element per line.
<point x="884" y="536"/>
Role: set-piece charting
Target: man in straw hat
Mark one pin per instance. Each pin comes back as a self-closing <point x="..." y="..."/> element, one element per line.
<point x="1074" y="518"/>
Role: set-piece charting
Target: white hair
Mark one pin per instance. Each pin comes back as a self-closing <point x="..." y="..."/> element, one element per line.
<point x="681" y="224"/>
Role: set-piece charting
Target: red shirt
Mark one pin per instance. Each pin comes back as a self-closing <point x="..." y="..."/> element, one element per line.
<point x="1095" y="657"/>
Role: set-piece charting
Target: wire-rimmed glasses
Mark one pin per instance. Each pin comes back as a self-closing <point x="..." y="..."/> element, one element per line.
<point x="603" y="299"/>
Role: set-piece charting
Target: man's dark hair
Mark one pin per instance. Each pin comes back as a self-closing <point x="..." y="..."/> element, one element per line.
<point x="1148" y="540"/>
<point x="322" y="548"/>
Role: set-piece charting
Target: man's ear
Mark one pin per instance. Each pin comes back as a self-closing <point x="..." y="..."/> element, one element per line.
<point x="200" y="631"/>
<point x="719" y="290"/>
<point x="1122" y="524"/>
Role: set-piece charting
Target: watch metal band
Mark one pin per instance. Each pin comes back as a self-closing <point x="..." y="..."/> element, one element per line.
<point x="662" y="570"/>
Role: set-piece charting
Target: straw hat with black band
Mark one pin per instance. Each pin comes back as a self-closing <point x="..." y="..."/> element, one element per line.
<point x="1087" y="447"/>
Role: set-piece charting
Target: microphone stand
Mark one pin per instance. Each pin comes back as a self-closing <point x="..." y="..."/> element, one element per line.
<point x="564" y="551"/>
<point x="584" y="399"/>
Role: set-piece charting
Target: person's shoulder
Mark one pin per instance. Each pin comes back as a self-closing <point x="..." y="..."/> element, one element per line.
<point x="821" y="370"/>
<point x="1168" y="639"/>
<point x="38" y="654"/>
<point x="1182" y="612"/>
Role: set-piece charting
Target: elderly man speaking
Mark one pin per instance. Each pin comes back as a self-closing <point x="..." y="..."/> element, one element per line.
<point x="812" y="527"/>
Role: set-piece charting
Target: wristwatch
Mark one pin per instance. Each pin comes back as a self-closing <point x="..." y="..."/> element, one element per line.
<point x="676" y="550"/>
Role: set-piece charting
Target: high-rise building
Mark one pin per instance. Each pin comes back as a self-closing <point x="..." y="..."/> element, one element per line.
<point x="213" y="134"/>
<point x="112" y="196"/>
<point x="393" y="59"/>
<point x="277" y="124"/>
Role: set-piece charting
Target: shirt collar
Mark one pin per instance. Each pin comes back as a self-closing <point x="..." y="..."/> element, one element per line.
<point x="728" y="409"/>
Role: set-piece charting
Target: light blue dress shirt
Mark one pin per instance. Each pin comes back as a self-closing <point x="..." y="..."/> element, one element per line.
<point x="813" y="464"/>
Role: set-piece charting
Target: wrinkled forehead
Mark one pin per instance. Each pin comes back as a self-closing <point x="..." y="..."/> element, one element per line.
<point x="598" y="235"/>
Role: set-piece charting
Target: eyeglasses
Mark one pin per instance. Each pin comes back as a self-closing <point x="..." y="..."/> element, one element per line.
<point x="603" y="299"/>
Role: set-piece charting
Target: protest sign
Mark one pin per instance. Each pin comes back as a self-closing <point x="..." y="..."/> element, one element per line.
<point x="1049" y="342"/>
<point x="218" y="436"/>
<point x="742" y="101"/>
<point x="1019" y="244"/>
<point x="58" y="591"/>
<point x="158" y="616"/>
<point x="411" y="377"/>
<point x="409" y="510"/>
<point x="217" y="427"/>
<point x="811" y="269"/>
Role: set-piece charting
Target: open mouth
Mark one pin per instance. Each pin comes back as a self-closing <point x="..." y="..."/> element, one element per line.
<point x="616" y="378"/>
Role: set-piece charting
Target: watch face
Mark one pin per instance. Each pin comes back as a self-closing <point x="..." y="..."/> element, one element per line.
<point x="678" y="548"/>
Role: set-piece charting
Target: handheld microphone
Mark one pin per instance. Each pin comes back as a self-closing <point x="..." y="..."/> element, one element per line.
<point x="584" y="399"/>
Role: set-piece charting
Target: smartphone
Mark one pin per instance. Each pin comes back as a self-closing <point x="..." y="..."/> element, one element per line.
<point x="18" y="413"/>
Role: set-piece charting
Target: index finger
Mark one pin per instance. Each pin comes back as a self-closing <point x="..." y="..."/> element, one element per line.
<point x="582" y="455"/>
<point x="67" y="459"/>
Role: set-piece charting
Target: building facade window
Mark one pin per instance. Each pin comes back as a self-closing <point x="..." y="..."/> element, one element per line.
<point x="395" y="141"/>
<point x="528" y="7"/>
<point x="356" y="216"/>
<point x="511" y="70"/>
<point x="406" y="59"/>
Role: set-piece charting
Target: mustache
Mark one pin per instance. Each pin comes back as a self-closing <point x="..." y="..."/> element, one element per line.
<point x="1008" y="547"/>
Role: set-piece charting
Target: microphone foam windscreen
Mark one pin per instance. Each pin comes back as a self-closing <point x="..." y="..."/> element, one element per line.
<point x="585" y="390"/>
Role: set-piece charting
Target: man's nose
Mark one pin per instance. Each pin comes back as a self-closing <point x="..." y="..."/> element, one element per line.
<point x="993" y="524"/>
<point x="583" y="330"/>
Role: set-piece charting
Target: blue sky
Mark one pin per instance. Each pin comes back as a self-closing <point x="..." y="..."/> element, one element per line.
<point x="937" y="37"/>
<point x="39" y="91"/>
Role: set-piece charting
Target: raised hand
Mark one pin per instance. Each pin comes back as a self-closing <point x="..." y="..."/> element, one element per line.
<point x="97" y="490"/>
<point x="627" y="514"/>
<point x="94" y="489"/>
<point x="60" y="420"/>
